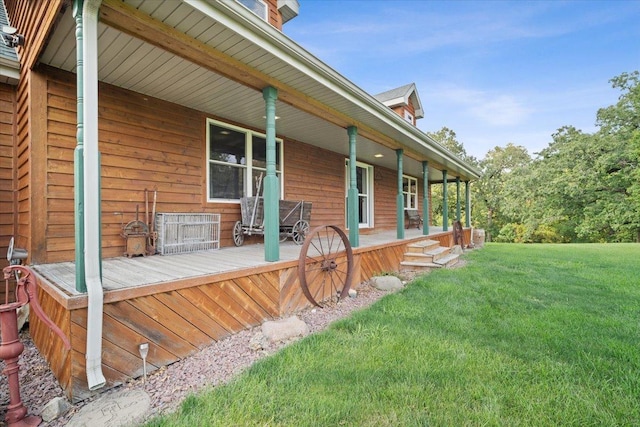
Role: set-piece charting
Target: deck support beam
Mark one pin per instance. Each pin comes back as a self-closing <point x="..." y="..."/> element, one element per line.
<point x="445" y="202"/>
<point x="352" y="194"/>
<point x="425" y="198"/>
<point x="271" y="187"/>
<point x="400" y="196"/>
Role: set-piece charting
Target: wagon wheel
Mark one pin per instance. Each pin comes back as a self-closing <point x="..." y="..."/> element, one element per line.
<point x="283" y="235"/>
<point x="326" y="261"/>
<point x="299" y="231"/>
<point x="238" y="235"/>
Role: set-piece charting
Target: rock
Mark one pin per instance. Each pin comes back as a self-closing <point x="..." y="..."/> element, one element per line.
<point x="284" y="329"/>
<point x="353" y="293"/>
<point x="54" y="409"/>
<point x="258" y="342"/>
<point x="386" y="283"/>
<point x="23" y="316"/>
<point x="457" y="250"/>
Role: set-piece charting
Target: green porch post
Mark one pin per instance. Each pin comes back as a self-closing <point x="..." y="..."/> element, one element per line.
<point x="445" y="202"/>
<point x="458" y="210"/>
<point x="425" y="198"/>
<point x="78" y="156"/>
<point x="271" y="187"/>
<point x="467" y="209"/>
<point x="352" y="194"/>
<point x="400" y="197"/>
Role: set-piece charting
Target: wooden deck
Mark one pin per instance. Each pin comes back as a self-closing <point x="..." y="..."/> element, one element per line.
<point x="182" y="303"/>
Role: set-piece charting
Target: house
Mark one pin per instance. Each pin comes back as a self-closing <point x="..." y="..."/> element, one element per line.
<point x="196" y="101"/>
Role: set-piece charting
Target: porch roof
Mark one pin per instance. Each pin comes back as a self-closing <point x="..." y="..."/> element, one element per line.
<point x="216" y="56"/>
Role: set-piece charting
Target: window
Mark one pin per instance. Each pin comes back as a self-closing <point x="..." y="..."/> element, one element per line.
<point x="410" y="192"/>
<point x="237" y="158"/>
<point x="364" y="182"/>
<point x="408" y="116"/>
<point x="258" y="7"/>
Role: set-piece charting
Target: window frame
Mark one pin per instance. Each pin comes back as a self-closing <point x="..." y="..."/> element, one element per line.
<point x="261" y="2"/>
<point x="407" y="193"/>
<point x="249" y="174"/>
<point x="369" y="195"/>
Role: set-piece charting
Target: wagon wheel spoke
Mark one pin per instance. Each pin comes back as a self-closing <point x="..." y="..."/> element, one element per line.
<point x="325" y="265"/>
<point x="238" y="234"/>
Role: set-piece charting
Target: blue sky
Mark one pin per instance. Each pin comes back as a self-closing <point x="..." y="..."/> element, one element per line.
<point x="495" y="72"/>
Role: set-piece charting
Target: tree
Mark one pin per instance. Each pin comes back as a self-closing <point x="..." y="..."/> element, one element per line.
<point x="498" y="167"/>
<point x="449" y="140"/>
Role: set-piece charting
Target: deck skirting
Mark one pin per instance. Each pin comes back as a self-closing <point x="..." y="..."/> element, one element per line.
<point x="180" y="317"/>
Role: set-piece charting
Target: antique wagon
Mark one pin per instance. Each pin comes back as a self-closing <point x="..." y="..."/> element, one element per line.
<point x="294" y="219"/>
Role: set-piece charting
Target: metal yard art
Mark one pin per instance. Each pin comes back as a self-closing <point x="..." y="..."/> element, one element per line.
<point x="326" y="264"/>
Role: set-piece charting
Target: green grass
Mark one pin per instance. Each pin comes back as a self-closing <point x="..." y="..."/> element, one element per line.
<point x="523" y="335"/>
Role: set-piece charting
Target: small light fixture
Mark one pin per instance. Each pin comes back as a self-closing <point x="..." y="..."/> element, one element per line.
<point x="144" y="350"/>
<point x="10" y="38"/>
<point x="277" y="117"/>
<point x="224" y="132"/>
<point x="378" y="155"/>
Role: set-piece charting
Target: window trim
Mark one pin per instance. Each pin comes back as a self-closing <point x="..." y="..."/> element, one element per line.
<point x="370" y="188"/>
<point x="248" y="167"/>
<point x="406" y="193"/>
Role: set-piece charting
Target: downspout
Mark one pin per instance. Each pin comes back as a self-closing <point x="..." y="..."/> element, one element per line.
<point x="92" y="228"/>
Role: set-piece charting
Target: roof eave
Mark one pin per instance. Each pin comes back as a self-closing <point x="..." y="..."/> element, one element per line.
<point x="239" y="19"/>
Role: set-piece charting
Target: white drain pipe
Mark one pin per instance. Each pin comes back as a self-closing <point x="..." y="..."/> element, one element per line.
<point x="92" y="238"/>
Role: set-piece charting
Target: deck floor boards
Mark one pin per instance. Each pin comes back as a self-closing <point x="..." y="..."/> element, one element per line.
<point x="122" y="272"/>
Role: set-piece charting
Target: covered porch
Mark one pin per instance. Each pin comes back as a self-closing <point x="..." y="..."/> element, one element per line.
<point x="181" y="303"/>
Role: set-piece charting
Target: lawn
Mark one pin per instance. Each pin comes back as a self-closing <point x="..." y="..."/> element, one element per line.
<point x="522" y="335"/>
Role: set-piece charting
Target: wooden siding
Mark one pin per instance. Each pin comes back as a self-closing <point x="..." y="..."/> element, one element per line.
<point x="151" y="144"/>
<point x="7" y="182"/>
<point x="34" y="19"/>
<point x="316" y="175"/>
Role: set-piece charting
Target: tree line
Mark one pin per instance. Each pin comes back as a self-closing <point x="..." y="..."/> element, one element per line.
<point x="583" y="187"/>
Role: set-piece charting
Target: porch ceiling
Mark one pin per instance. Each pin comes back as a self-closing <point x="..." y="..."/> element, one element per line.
<point x="177" y="52"/>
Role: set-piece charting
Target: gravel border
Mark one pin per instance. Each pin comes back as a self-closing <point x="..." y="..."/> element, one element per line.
<point x="169" y="385"/>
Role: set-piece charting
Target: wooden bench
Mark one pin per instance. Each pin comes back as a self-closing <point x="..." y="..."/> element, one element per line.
<point x="412" y="217"/>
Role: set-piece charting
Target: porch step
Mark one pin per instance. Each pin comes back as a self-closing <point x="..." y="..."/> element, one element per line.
<point x="418" y="266"/>
<point x="448" y="261"/>
<point x="437" y="253"/>
<point x="423" y="246"/>
<point x="426" y="255"/>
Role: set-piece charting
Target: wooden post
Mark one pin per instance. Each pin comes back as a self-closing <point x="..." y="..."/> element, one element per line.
<point x="467" y="206"/>
<point x="445" y="202"/>
<point x="352" y="194"/>
<point x="425" y="198"/>
<point x="400" y="197"/>
<point x="271" y="187"/>
<point x="458" y="209"/>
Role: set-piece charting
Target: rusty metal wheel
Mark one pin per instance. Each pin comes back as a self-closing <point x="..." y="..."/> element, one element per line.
<point x="325" y="264"/>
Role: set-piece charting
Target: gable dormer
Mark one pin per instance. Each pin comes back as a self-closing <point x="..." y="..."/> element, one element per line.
<point x="404" y="101"/>
<point x="275" y="12"/>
